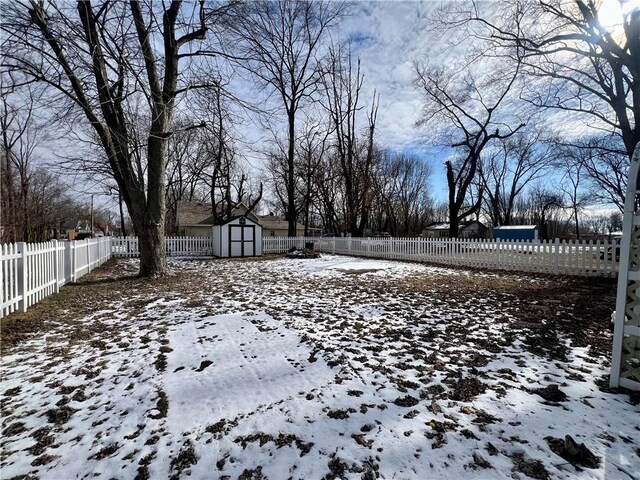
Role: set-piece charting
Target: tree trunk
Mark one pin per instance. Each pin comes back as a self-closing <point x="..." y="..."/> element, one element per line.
<point x="291" y="198"/>
<point x="153" y="261"/>
<point x="151" y="234"/>
<point x="454" y="222"/>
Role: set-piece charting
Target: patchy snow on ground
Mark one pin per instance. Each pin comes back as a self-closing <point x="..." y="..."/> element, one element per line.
<point x="333" y="367"/>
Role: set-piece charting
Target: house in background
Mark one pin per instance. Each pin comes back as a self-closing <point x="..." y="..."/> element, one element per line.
<point x="273" y="226"/>
<point x="473" y="229"/>
<point x="194" y="219"/>
<point x="516" y="232"/>
<point x="436" y="230"/>
<point x="75" y="230"/>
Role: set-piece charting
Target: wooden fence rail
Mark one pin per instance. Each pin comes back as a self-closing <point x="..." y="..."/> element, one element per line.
<point x="584" y="258"/>
<point x="30" y="272"/>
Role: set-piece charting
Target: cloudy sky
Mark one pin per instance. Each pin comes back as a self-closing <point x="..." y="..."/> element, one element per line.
<point x="387" y="36"/>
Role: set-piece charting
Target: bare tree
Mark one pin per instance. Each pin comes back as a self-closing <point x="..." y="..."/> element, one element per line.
<point x="605" y="164"/>
<point x="330" y="195"/>
<point x="472" y="105"/>
<point x="279" y="42"/>
<point x="107" y="60"/>
<point x="573" y="185"/>
<point x="574" y="62"/>
<point x="204" y="165"/>
<point x="310" y="152"/>
<point x="541" y="206"/>
<point x="21" y="136"/>
<point x="509" y="168"/>
<point x="228" y="182"/>
<point x="355" y="153"/>
<point x="402" y="199"/>
<point x="185" y="170"/>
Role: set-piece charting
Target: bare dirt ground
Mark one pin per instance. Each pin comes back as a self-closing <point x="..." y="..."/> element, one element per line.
<point x="403" y="371"/>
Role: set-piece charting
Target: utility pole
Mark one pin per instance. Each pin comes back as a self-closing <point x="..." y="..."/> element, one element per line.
<point x="91" y="216"/>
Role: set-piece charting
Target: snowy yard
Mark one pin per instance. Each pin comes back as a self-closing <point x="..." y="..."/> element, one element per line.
<point x="328" y="368"/>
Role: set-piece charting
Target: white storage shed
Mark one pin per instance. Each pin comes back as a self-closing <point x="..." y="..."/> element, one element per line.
<point x="239" y="236"/>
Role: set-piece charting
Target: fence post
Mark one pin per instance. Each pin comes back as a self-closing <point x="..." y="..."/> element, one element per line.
<point x="74" y="261"/>
<point x="56" y="267"/>
<point x="22" y="280"/>
<point x="87" y="243"/>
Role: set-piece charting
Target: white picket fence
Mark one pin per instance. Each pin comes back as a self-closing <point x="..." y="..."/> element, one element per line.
<point x="553" y="256"/>
<point x="176" y="246"/>
<point x="30" y="272"/>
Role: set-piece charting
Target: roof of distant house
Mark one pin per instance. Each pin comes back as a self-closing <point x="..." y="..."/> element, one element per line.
<point x="516" y="227"/>
<point x="437" y="226"/>
<point x="76" y="224"/>
<point x="199" y="214"/>
<point x="272" y="222"/>
<point x="446" y="226"/>
<point x="194" y="213"/>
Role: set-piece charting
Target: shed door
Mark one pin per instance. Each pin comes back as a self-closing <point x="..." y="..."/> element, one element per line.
<point x="242" y="241"/>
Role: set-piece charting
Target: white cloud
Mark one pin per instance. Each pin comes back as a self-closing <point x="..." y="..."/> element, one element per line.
<point x="387" y="36"/>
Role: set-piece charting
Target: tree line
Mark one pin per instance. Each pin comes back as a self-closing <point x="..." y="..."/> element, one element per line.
<point x="143" y="89"/>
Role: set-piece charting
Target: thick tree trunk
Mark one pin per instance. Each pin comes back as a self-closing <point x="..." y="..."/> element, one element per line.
<point x="454" y="222"/>
<point x="291" y="198"/>
<point x="153" y="261"/>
